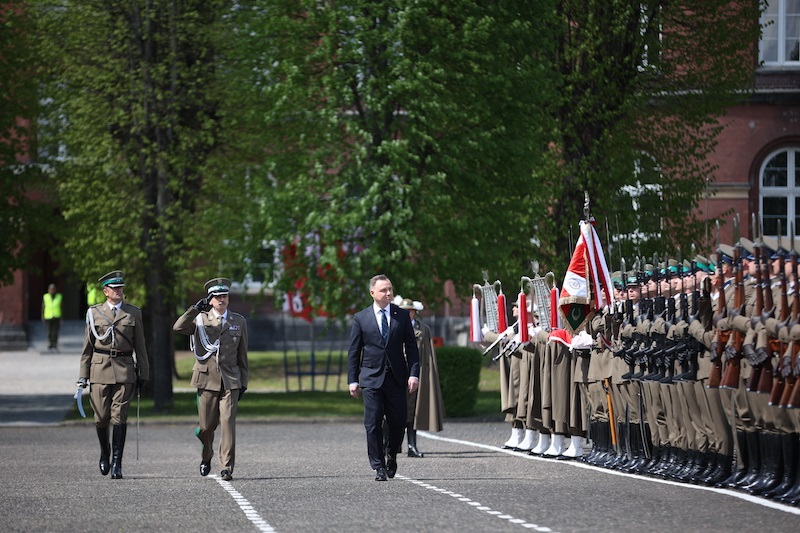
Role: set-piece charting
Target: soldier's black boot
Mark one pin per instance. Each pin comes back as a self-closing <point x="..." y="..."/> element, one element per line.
<point x="105" y="450"/>
<point x="736" y="473"/>
<point x="723" y="471"/>
<point x="789" y="448"/>
<point x="792" y="495"/>
<point x="771" y="465"/>
<point x="595" y="438"/>
<point x="411" y="434"/>
<point x="117" y="446"/>
<point x="694" y="460"/>
<point x="753" y="460"/>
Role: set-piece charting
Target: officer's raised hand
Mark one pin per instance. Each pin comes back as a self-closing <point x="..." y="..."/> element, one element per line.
<point x="202" y="305"/>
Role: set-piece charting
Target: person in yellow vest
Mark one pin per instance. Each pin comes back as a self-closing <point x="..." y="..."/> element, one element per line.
<point x="51" y="314"/>
<point x="94" y="295"/>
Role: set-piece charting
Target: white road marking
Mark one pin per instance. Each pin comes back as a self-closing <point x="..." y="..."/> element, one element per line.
<point x="525" y="455"/>
<point x="477" y="505"/>
<point x="244" y="505"/>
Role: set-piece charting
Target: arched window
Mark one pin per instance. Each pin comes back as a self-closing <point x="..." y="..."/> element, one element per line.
<point x="779" y="193"/>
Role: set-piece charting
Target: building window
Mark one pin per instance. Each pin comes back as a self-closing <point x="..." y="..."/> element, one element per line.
<point x="642" y="201"/>
<point x="780" y="38"/>
<point x="779" y="194"/>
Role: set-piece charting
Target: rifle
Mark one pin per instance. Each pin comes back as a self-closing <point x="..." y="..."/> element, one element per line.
<point x="715" y="375"/>
<point x="500" y="338"/>
<point x="767" y="378"/>
<point x="787" y="363"/>
<point x="670" y="346"/>
<point x="755" y="319"/>
<point x="777" y="346"/>
<point x="733" y="353"/>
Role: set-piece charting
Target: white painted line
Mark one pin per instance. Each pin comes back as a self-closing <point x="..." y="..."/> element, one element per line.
<point x="477" y="505"/>
<point x="244" y="505"/>
<point x="578" y="464"/>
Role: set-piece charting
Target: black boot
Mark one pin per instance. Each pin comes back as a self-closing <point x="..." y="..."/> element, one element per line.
<point x="741" y="455"/>
<point x="411" y="435"/>
<point x="105" y="450"/>
<point x="753" y="460"/>
<point x="771" y="465"/>
<point x="792" y="495"/>
<point x="595" y="434"/>
<point x="117" y="446"/>
<point x="789" y="448"/>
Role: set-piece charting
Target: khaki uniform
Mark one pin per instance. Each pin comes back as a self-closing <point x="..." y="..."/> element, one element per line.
<point x="109" y="364"/>
<point x="218" y="379"/>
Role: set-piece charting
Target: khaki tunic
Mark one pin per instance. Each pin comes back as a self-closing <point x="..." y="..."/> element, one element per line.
<point x="109" y="364"/>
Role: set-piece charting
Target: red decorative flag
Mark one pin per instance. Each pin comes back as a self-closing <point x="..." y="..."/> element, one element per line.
<point x="587" y="283"/>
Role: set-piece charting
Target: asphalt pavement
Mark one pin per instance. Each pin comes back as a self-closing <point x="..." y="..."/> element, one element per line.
<point x="312" y="476"/>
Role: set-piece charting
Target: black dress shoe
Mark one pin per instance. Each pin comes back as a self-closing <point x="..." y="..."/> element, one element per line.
<point x="380" y="474"/>
<point x="226" y="475"/>
<point x="391" y="466"/>
<point x="205" y="468"/>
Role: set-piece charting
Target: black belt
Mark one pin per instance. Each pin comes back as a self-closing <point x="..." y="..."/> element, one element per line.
<point x="113" y="353"/>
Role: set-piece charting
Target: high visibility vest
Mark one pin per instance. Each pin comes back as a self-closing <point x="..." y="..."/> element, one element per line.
<point x="95" y="296"/>
<point x="51" y="306"/>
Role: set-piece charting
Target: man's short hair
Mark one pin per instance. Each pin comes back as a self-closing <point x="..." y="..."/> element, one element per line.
<point x="375" y="279"/>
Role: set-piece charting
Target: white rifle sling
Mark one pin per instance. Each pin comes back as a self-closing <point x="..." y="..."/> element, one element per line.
<point x="209" y="347"/>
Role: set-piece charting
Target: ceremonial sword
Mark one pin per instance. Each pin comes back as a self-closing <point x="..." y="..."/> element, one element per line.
<point x="79" y="400"/>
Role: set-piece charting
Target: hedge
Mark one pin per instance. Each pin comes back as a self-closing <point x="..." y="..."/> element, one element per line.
<point x="459" y="375"/>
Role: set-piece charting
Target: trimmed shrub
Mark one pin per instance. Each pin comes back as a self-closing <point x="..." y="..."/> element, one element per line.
<point x="459" y="375"/>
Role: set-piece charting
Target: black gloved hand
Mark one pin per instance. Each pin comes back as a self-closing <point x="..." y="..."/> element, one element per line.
<point x="140" y="383"/>
<point x="241" y="393"/>
<point x="202" y="305"/>
<point x="83" y="383"/>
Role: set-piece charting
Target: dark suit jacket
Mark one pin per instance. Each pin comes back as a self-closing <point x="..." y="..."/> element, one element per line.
<point x="367" y="357"/>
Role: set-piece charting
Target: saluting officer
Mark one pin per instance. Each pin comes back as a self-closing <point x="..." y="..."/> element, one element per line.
<point x="114" y="361"/>
<point x="219" y="338"/>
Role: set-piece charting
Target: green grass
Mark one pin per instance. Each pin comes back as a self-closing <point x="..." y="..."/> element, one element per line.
<point x="267" y="396"/>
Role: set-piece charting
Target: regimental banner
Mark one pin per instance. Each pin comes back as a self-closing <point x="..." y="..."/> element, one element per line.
<point x="587" y="283"/>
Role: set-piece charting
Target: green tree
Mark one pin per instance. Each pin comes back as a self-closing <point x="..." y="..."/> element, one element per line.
<point x="132" y="103"/>
<point x="400" y="137"/>
<point x="643" y="84"/>
<point x="26" y="216"/>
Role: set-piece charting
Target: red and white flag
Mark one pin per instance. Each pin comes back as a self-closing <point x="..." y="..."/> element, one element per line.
<point x="587" y="284"/>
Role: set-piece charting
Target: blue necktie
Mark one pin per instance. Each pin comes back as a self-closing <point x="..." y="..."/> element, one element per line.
<point x="384" y="326"/>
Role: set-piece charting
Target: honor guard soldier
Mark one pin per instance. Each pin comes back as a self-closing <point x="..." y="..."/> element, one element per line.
<point x="114" y="360"/>
<point x="218" y="338"/>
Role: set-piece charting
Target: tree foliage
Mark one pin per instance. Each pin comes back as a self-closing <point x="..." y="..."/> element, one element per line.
<point x="28" y="221"/>
<point x="400" y="138"/>
<point x="328" y="141"/>
<point x="132" y="107"/>
<point x="643" y="86"/>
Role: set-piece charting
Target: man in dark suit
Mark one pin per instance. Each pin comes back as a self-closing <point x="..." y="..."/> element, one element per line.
<point x="383" y="363"/>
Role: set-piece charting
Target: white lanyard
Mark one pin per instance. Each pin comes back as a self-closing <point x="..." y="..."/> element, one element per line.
<point x="208" y="346"/>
